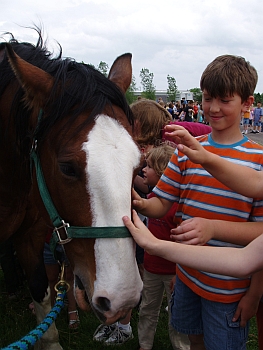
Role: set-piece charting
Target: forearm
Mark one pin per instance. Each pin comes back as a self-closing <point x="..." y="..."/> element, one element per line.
<point x="239" y="178"/>
<point x="236" y="232"/>
<point x="229" y="261"/>
<point x="237" y="262"/>
<point x="155" y="207"/>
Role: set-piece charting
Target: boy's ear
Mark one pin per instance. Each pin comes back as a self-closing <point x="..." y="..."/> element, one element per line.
<point x="247" y="103"/>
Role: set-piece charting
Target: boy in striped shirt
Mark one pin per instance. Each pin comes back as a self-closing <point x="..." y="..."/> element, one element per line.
<point x="210" y="308"/>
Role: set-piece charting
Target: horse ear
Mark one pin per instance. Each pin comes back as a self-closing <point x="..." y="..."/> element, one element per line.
<point x="121" y="71"/>
<point x="36" y="83"/>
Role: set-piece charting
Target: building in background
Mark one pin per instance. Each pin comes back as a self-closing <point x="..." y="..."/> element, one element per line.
<point x="181" y="94"/>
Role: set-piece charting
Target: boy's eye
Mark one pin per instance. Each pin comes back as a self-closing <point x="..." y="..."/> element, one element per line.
<point x="148" y="165"/>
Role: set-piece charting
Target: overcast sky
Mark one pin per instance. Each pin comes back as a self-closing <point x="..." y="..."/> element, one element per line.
<point x="172" y="37"/>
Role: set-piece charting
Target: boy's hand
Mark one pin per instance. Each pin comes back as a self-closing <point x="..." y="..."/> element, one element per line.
<point x="246" y="309"/>
<point x="140" y="232"/>
<point x="196" y="231"/>
<point x="186" y="143"/>
<point x="137" y="201"/>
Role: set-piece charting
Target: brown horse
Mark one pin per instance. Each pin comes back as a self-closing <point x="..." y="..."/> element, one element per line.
<point x="77" y="126"/>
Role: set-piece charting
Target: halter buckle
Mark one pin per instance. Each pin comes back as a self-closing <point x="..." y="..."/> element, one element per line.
<point x="64" y="226"/>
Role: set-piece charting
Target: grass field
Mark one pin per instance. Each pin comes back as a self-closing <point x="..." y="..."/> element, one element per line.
<point x="16" y="321"/>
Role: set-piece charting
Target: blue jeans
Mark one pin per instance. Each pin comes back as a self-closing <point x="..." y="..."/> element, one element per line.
<point x="49" y="257"/>
<point x="245" y="121"/>
<point x="192" y="314"/>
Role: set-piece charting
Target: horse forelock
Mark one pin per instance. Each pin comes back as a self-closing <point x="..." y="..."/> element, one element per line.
<point x="80" y="89"/>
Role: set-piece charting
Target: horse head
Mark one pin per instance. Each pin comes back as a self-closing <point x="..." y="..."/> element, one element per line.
<point x="81" y="128"/>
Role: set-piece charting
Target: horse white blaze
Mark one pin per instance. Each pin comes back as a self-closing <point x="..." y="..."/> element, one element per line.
<point x="112" y="157"/>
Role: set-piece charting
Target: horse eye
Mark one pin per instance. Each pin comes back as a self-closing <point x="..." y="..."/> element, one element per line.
<point x="68" y="169"/>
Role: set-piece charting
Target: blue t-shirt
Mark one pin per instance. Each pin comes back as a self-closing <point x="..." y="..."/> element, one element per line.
<point x="258" y="112"/>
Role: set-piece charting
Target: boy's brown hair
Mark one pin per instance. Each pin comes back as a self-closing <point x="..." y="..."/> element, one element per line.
<point x="159" y="157"/>
<point x="227" y="75"/>
<point x="150" y="118"/>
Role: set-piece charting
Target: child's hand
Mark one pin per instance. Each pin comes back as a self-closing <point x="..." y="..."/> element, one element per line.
<point x="137" y="201"/>
<point x="140" y="232"/>
<point x="246" y="309"/>
<point x="186" y="143"/>
<point x="196" y="231"/>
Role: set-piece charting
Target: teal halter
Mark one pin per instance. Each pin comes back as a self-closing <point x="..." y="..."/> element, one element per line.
<point x="63" y="232"/>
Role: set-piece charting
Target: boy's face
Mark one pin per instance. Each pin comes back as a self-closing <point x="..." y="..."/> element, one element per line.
<point x="223" y="113"/>
<point x="150" y="178"/>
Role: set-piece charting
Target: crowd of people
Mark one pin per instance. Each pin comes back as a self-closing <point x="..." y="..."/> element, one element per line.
<point x="192" y="111"/>
<point x="252" y="119"/>
<point x="199" y="217"/>
<point x="184" y="110"/>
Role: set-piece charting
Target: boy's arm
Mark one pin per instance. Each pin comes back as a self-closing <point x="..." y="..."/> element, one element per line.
<point x="241" y="179"/>
<point x="154" y="207"/>
<point x="248" y="305"/>
<point x="198" y="231"/>
<point x="238" y="262"/>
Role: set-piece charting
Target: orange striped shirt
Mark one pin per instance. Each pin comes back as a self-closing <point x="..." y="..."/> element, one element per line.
<point x="200" y="195"/>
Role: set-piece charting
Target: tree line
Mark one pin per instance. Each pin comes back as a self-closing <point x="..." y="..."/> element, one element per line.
<point x="149" y="89"/>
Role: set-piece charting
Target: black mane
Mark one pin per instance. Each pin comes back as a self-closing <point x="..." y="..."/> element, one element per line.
<point x="88" y="89"/>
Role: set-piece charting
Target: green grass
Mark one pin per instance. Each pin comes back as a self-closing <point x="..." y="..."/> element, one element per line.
<point x="17" y="320"/>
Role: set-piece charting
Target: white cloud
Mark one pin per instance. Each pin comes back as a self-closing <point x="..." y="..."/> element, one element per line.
<point x="169" y="37"/>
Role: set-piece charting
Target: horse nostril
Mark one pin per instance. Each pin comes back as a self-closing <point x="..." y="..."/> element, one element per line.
<point x="104" y="303"/>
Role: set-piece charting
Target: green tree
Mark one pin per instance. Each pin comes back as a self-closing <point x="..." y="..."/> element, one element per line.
<point x="148" y="89"/>
<point x="172" y="88"/>
<point x="258" y="98"/>
<point x="103" y="68"/>
<point x="197" y="94"/>
<point x="130" y="96"/>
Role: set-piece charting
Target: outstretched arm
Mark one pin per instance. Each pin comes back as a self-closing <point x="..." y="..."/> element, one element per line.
<point x="154" y="207"/>
<point x="231" y="175"/>
<point x="237" y="262"/>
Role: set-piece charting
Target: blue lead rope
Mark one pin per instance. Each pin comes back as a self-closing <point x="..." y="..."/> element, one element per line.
<point x="32" y="337"/>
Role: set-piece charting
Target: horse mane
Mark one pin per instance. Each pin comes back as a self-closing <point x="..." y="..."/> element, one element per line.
<point x="78" y="87"/>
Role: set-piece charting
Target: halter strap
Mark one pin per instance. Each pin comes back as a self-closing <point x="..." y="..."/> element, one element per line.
<point x="63" y="232"/>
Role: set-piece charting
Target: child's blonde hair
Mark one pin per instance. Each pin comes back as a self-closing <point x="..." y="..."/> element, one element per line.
<point x="150" y="118"/>
<point x="159" y="157"/>
<point x="227" y="75"/>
